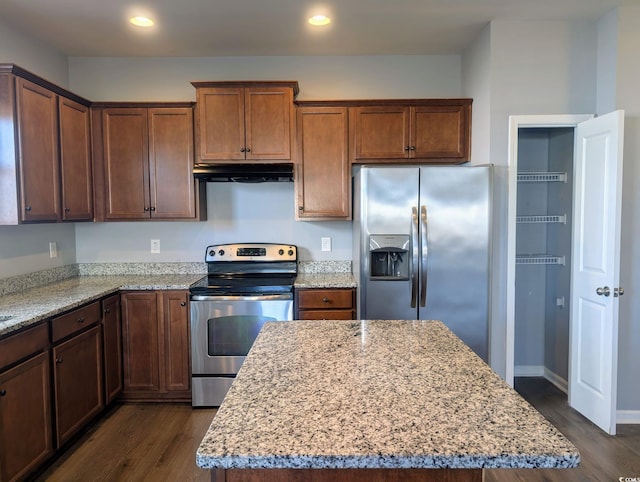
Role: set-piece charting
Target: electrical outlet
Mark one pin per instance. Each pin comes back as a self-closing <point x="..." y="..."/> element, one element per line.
<point x="326" y="244"/>
<point x="53" y="249"/>
<point x="155" y="245"/>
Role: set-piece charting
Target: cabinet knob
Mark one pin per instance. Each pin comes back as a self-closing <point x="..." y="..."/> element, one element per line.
<point x="242" y="149"/>
<point x="300" y="208"/>
<point x="152" y="208"/>
<point x="248" y="149"/>
<point x="406" y="148"/>
<point x="27" y="208"/>
<point x="183" y="303"/>
<point x="81" y="320"/>
<point x="412" y="148"/>
<point x="146" y="209"/>
<point x="325" y="300"/>
<point x="3" y="393"/>
<point x="66" y="210"/>
<point x="107" y="310"/>
<point x="59" y="360"/>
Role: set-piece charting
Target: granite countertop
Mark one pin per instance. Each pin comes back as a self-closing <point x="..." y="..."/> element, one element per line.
<point x="325" y="280"/>
<point x="375" y="394"/>
<point x="32" y="305"/>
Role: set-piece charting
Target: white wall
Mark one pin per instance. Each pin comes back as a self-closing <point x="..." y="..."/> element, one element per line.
<point x="24" y="249"/>
<point x="246" y="213"/>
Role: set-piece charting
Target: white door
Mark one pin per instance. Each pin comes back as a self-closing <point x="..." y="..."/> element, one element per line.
<point x="595" y="269"/>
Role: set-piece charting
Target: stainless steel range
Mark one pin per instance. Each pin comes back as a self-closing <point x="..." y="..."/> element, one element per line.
<point x="246" y="285"/>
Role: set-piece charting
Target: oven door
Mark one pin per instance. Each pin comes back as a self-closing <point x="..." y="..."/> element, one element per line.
<point x="223" y="329"/>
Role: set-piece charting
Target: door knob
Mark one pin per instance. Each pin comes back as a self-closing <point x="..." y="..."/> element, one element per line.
<point x="603" y="291"/>
<point x="618" y="292"/>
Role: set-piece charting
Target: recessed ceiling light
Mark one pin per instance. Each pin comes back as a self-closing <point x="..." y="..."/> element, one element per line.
<point x="319" y="20"/>
<point x="140" y="21"/>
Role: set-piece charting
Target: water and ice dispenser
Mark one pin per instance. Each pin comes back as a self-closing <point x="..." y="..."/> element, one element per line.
<point x="389" y="256"/>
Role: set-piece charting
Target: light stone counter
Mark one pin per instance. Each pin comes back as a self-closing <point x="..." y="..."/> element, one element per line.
<point x="374" y="394"/>
<point x="325" y="280"/>
<point x="32" y="305"/>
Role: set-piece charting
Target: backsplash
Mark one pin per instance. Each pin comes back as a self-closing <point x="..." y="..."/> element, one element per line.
<point x="37" y="278"/>
<point x="317" y="267"/>
<point x="106" y="269"/>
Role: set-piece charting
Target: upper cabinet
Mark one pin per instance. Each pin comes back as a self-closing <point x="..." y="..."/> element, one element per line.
<point x="433" y="130"/>
<point x="245" y="121"/>
<point x="146" y="168"/>
<point x="323" y="171"/>
<point x="45" y="159"/>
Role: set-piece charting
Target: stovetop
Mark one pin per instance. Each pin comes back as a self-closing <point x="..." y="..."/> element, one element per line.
<point x="243" y="285"/>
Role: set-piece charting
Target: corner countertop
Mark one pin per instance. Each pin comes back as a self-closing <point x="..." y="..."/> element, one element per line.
<point x="375" y="394"/>
<point x="30" y="306"/>
<point x="325" y="280"/>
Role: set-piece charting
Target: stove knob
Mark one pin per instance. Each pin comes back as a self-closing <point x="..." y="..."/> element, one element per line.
<point x="212" y="253"/>
<point x="290" y="252"/>
<point x="281" y="252"/>
<point x="221" y="252"/>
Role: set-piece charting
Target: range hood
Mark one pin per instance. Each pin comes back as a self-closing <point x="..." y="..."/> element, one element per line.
<point x="244" y="172"/>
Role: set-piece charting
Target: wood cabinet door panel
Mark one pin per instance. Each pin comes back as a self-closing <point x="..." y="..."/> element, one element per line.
<point x="171" y="163"/>
<point x="221" y="123"/>
<point x="381" y="132"/>
<point x="38" y="152"/>
<point x="140" y="342"/>
<point x="177" y="375"/>
<point x="75" y="161"/>
<point x="268" y="121"/>
<point x="323" y="171"/>
<point x="325" y="299"/>
<point x="112" y="347"/>
<point x="77" y="382"/>
<point x="439" y="132"/>
<point x="25" y="417"/>
<point x="126" y="163"/>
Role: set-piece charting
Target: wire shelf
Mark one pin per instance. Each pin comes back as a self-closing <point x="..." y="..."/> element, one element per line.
<point x="550" y="219"/>
<point x="535" y="176"/>
<point x="539" y="259"/>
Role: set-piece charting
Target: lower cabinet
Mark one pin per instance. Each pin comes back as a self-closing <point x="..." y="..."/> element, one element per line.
<point x="325" y="304"/>
<point x="78" y="382"/>
<point x="156" y="348"/>
<point x="25" y="401"/>
<point x="112" y="347"/>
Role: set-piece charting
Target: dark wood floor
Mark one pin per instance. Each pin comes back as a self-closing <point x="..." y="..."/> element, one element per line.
<point x="144" y="442"/>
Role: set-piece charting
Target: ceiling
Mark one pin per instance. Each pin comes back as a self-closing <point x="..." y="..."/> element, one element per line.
<point x="196" y="28"/>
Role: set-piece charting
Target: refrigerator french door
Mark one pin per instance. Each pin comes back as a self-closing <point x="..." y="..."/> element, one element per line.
<point x="421" y="238"/>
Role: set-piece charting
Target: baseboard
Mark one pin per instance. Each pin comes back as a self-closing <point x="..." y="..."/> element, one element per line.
<point x="528" y="371"/>
<point x="557" y="380"/>
<point x="628" y="417"/>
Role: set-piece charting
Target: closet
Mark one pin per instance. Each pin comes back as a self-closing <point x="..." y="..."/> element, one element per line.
<point x="543" y="252"/>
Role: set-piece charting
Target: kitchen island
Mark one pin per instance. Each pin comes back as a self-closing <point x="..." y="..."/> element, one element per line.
<point x="373" y="400"/>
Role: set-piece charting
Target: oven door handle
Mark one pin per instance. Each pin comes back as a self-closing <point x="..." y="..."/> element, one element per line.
<point x="241" y="297"/>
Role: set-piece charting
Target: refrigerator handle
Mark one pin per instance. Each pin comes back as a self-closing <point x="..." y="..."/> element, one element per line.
<point x="424" y="256"/>
<point x="414" y="256"/>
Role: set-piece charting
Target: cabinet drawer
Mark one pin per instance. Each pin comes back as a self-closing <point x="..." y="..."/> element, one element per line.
<point x="326" y="315"/>
<point x="325" y="299"/>
<point x="75" y="321"/>
<point x="23" y="344"/>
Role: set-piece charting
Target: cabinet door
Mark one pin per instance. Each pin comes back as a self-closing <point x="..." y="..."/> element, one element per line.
<point x="440" y="133"/>
<point x="75" y="161"/>
<point x="126" y="163"/>
<point x="38" y="152"/>
<point x="220" y="126"/>
<point x="175" y="308"/>
<point x="25" y="417"/>
<point x="171" y="163"/>
<point x="78" y="382"/>
<point x="323" y="171"/>
<point x="269" y="116"/>
<point x="140" y="342"/>
<point x="380" y="132"/>
<point x="112" y="347"/>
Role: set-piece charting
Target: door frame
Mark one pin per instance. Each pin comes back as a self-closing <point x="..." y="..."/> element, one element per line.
<point x="516" y="122"/>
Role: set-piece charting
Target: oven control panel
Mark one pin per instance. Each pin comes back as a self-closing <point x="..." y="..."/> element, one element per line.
<point x="251" y="252"/>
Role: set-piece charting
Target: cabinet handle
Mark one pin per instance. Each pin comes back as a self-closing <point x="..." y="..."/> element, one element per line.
<point x="3" y="393"/>
<point x="152" y="208"/>
<point x="406" y="148"/>
<point x="146" y="208"/>
<point x="242" y="149"/>
<point x="412" y="148"/>
<point x="81" y="320"/>
<point x="248" y="149"/>
<point x="107" y="310"/>
<point x="183" y="303"/>
<point x="59" y="360"/>
<point x="27" y="208"/>
<point x="66" y="210"/>
<point x="325" y="300"/>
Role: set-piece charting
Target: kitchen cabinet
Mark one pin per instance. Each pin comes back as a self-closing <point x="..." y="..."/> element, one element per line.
<point x="77" y="371"/>
<point x="430" y="130"/>
<point x="323" y="170"/>
<point x="325" y="304"/>
<point x="45" y="160"/>
<point x="25" y="402"/>
<point x="244" y="121"/>
<point x="145" y="162"/>
<point x="112" y="347"/>
<point x="156" y="345"/>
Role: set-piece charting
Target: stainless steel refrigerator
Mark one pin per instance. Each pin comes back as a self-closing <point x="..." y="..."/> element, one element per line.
<point x="421" y="246"/>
